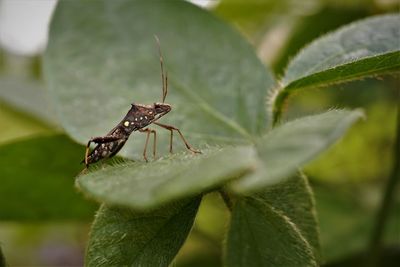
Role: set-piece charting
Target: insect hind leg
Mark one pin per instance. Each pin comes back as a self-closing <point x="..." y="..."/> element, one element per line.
<point x="149" y="131"/>
<point x="171" y="129"/>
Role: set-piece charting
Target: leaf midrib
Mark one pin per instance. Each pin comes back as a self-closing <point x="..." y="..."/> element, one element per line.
<point x="202" y="103"/>
<point x="337" y="79"/>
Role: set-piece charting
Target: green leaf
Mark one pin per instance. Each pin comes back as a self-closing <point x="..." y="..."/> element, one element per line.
<point x="102" y="56"/>
<point x="369" y="47"/>
<point x="259" y="235"/>
<point x="36" y="180"/>
<point x="292" y="145"/>
<point x="146" y="185"/>
<point x="295" y="200"/>
<point x="307" y="28"/>
<point x="124" y="237"/>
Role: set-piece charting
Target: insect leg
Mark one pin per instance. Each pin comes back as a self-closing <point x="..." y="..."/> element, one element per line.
<point x="172" y="128"/>
<point x="149" y="131"/>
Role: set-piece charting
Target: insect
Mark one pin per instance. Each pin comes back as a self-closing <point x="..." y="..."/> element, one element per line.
<point x="137" y="119"/>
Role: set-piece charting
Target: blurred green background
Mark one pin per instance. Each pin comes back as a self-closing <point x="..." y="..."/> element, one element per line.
<point x="45" y="222"/>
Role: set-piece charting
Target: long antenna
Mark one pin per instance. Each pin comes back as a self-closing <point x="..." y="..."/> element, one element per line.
<point x="164" y="79"/>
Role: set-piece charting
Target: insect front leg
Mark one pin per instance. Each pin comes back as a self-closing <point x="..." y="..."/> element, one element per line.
<point x="171" y="129"/>
<point x="149" y="131"/>
<point x="99" y="140"/>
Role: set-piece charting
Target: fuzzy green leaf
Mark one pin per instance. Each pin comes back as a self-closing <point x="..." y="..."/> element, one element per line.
<point x="259" y="235"/>
<point x="291" y="145"/>
<point x="102" y="56"/>
<point x="146" y="185"/>
<point x="36" y="180"/>
<point x="295" y="200"/>
<point x="124" y="237"/>
<point x="365" y="48"/>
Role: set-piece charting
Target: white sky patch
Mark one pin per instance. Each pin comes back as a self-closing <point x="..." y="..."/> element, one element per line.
<point x="204" y="3"/>
<point x="24" y="25"/>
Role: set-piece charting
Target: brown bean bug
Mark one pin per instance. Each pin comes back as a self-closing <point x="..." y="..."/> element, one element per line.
<point x="137" y="119"/>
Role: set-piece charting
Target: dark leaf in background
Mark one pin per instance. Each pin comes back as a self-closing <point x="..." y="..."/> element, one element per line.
<point x="346" y="216"/>
<point x="37" y="180"/>
<point x="2" y="259"/>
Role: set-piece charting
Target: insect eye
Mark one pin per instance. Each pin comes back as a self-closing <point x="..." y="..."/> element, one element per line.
<point x="158" y="109"/>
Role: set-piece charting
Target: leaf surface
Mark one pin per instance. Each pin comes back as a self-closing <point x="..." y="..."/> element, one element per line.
<point x="259" y="235"/>
<point x="295" y="200"/>
<point x="292" y="145"/>
<point x="124" y="237"/>
<point x="360" y="49"/>
<point x="102" y="56"/>
<point x="369" y="47"/>
<point x="146" y="185"/>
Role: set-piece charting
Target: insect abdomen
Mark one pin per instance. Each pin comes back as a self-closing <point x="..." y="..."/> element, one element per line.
<point x="106" y="150"/>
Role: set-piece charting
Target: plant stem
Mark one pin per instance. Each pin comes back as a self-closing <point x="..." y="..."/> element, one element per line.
<point x="278" y="106"/>
<point x="387" y="199"/>
<point x="226" y="198"/>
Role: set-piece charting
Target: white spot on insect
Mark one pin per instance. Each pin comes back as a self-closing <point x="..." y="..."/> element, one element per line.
<point x="150" y="112"/>
<point x="145" y="117"/>
<point x="126" y="123"/>
<point x="95" y="152"/>
<point x="131" y="122"/>
<point x="104" y="153"/>
<point x="135" y="119"/>
<point x="141" y="118"/>
<point x="103" y="145"/>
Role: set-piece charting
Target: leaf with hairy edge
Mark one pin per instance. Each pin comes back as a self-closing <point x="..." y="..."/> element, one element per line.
<point x="368" y="38"/>
<point x="290" y="146"/>
<point x="365" y="48"/>
<point x="142" y="186"/>
<point x="102" y="56"/>
<point x="124" y="237"/>
<point x="259" y="235"/>
<point x="294" y="199"/>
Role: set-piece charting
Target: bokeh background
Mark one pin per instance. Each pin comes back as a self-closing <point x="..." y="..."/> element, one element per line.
<point x="41" y="228"/>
